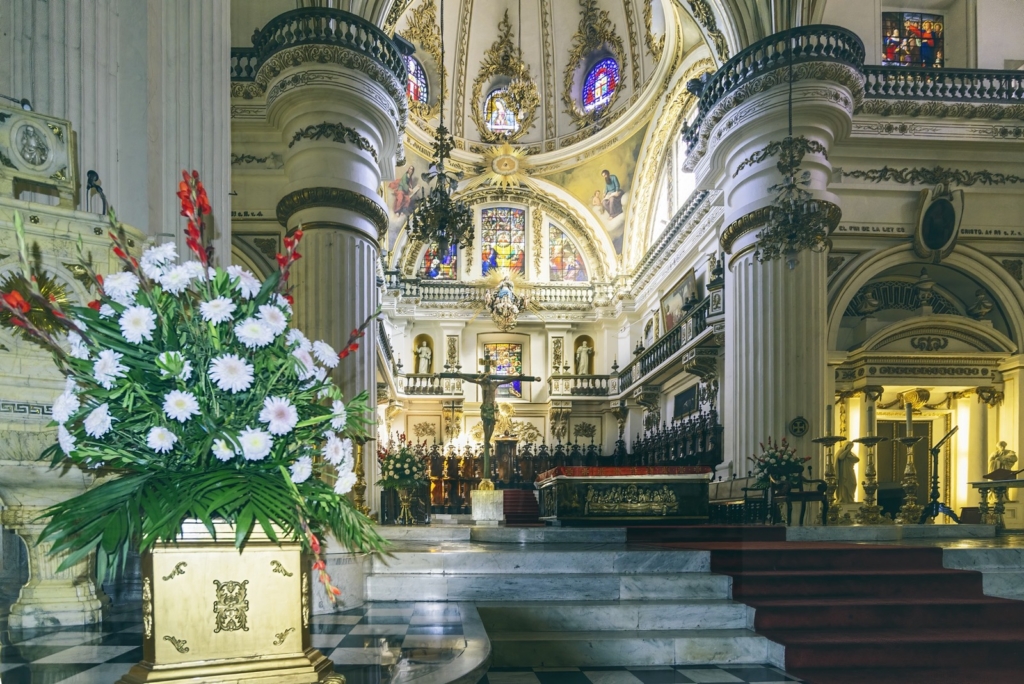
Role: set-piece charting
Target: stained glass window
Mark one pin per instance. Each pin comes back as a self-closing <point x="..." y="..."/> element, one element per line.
<point x="440" y="267"/>
<point x="498" y="116"/>
<point x="507" y="359"/>
<point x="566" y="260"/>
<point x="503" y="238"/>
<point x="600" y="84"/>
<point x="912" y="39"/>
<point x="416" y="82"/>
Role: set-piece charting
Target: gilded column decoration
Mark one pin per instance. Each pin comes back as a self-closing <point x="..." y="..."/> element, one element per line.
<point x="423" y="30"/>
<point x="548" y="72"/>
<point x="634" y="41"/>
<point x="557" y="353"/>
<point x="504" y="59"/>
<point x="701" y="11"/>
<point x="537" y="219"/>
<point x="231" y="606"/>
<point x="451" y="352"/>
<point x="305" y="599"/>
<point x="655" y="44"/>
<point x="147" y="607"/>
<point x="461" y="60"/>
<point x="594" y="32"/>
<point x="335" y="132"/>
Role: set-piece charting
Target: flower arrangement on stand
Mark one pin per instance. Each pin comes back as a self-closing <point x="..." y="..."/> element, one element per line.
<point x="402" y="469"/>
<point x="186" y="381"/>
<point x="778" y="464"/>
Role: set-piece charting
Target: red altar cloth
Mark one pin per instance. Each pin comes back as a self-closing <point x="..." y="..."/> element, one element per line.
<point x="611" y="471"/>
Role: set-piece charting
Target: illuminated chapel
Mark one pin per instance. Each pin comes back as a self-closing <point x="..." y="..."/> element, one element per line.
<point x="703" y="319"/>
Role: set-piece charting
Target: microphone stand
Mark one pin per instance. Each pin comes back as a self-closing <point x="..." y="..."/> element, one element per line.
<point x="934" y="507"/>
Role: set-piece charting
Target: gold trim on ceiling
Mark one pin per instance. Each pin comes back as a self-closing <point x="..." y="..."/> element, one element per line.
<point x="424" y="31"/>
<point x="634" y="42"/>
<point x="595" y="31"/>
<point x="462" y="57"/>
<point x="548" y="71"/>
<point x="655" y="44"/>
<point x="503" y="58"/>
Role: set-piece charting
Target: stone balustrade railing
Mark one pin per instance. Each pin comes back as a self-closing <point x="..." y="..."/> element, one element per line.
<point x="666" y="347"/>
<point x="427" y="385"/>
<point x="560" y="385"/>
<point x="959" y="85"/>
<point x="317" y="26"/>
<point x="549" y="295"/>
<point x="385" y="341"/>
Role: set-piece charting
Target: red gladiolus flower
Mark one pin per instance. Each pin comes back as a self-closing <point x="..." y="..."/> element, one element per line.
<point x="94" y="305"/>
<point x="354" y="346"/>
<point x="319" y="565"/>
<point x="16" y="301"/>
<point x="336" y="591"/>
<point x="289" y="299"/>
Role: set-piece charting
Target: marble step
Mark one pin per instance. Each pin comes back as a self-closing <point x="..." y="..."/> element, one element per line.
<point x="567" y="616"/>
<point x="1002" y="569"/>
<point x="535" y="560"/>
<point x="546" y="587"/>
<point x="550" y="535"/>
<point x="632" y="648"/>
<point x="433" y="533"/>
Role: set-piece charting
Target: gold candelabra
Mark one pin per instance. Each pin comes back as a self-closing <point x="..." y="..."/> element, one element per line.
<point x="910" y="511"/>
<point x="359" y="488"/>
<point x="869" y="513"/>
<point x="831" y="479"/>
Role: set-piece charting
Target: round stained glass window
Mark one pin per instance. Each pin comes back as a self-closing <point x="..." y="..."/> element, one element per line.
<point x="498" y="115"/>
<point x="600" y="84"/>
<point x="416" y="81"/>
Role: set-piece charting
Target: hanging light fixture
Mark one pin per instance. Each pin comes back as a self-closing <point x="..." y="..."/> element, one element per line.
<point x="795" y="219"/>
<point x="438" y="217"/>
<point x="520" y="90"/>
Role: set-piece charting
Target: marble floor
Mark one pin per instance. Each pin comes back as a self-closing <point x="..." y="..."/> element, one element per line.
<point x="679" y="674"/>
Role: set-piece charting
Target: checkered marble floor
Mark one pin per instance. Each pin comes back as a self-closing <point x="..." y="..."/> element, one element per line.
<point x="679" y="674"/>
<point x="369" y="645"/>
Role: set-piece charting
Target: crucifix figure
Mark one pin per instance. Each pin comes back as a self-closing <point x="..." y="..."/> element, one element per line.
<point x="488" y="406"/>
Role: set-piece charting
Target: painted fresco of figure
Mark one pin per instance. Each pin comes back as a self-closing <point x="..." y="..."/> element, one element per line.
<point x="403" y="189"/>
<point x="612" y="199"/>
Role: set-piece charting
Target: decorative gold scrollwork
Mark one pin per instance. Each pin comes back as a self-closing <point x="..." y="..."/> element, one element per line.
<point x="305" y="599"/>
<point x="279" y="569"/>
<point x="231" y="606"/>
<point x="147" y="607"/>
<point x="178" y="644"/>
<point x="631" y="499"/>
<point x="178" y="570"/>
<point x="281" y="636"/>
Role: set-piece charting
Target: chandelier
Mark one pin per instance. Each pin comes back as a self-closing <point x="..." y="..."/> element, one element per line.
<point x="795" y="220"/>
<point x="437" y="216"/>
<point x="504" y="304"/>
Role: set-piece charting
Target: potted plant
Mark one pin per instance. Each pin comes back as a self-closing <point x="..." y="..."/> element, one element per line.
<point x="778" y="464"/>
<point x="403" y="470"/>
<point x="232" y="450"/>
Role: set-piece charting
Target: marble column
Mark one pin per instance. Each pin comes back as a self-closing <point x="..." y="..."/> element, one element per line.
<point x="978" y="451"/>
<point x="188" y="115"/>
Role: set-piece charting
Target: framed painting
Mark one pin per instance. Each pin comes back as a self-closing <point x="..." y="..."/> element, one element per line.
<point x="685" y="403"/>
<point x="672" y="303"/>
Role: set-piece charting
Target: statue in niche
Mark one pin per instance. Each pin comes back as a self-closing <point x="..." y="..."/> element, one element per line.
<point x="846" y="487"/>
<point x="583" y="355"/>
<point x="423" y="356"/>
<point x="1004" y="458"/>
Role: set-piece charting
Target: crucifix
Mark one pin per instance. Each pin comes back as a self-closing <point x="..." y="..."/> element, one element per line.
<point x="489" y="383"/>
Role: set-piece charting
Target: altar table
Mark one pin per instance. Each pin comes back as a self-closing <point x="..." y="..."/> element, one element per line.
<point x="582" y="495"/>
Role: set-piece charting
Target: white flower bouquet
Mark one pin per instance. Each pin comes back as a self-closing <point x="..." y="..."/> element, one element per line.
<point x="187" y="381"/>
<point x="777" y="464"/>
<point x="401" y="468"/>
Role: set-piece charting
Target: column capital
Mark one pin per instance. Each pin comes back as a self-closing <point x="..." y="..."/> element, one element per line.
<point x="332" y="198"/>
<point x="872" y="392"/>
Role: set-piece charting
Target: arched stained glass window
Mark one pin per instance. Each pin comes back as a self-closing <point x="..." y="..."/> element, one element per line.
<point x="600" y="84"/>
<point x="416" y="82"/>
<point x="507" y="359"/>
<point x="503" y="238"/>
<point x="498" y="116"/>
<point x="912" y="39"/>
<point x="440" y="267"/>
<point x="565" y="259"/>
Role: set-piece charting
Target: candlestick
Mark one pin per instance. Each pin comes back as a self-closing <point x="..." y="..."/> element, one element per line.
<point x="871" y="420"/>
<point x="910" y="419"/>
<point x="828" y="419"/>
<point x="870" y="513"/>
<point x="910" y="511"/>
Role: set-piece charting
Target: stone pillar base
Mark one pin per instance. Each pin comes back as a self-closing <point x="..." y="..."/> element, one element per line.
<point x="488" y="507"/>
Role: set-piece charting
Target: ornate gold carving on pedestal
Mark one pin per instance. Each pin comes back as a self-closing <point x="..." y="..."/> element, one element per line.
<point x="631" y="499"/>
<point x="594" y="32"/>
<point x="870" y="513"/>
<point x="281" y="636"/>
<point x="305" y="599"/>
<point x="338" y="198"/>
<point x="147" y="608"/>
<point x="831" y="477"/>
<point x="231" y="606"/>
<point x="280" y="569"/>
<point x="910" y="511"/>
<point x="335" y="132"/>
<point x="179" y="569"/>
<point x="178" y="644"/>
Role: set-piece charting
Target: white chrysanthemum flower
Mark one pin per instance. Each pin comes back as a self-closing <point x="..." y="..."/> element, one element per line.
<point x="65" y="406"/>
<point x="248" y="284"/>
<point x="78" y="349"/>
<point x="306" y="367"/>
<point x="325" y="354"/>
<point x="231" y="374"/>
<point x="154" y="258"/>
<point x="137" y="324"/>
<point x="217" y="310"/>
<point x="254" y="333"/>
<point x="222" y="450"/>
<point x="343" y="485"/>
<point x="66" y="440"/>
<point x="301" y="469"/>
<point x="161" y="440"/>
<point x="107" y="311"/>
<point x="282" y="302"/>
<point x="279" y="415"/>
<point x="71" y="385"/>
<point x="296" y="337"/>
<point x="121" y="287"/>
<point x="256" y="444"/>
<point x="108" y="368"/>
<point x="340" y="415"/>
<point x="180" y="406"/>
<point x="169" y="358"/>
<point x="274" y="318"/>
<point x="176" y="280"/>
<point x="98" y="422"/>
<point x="332" y="450"/>
<point x="195" y="270"/>
<point x="347" y="455"/>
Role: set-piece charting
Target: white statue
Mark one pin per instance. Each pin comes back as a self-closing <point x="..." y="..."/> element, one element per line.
<point x="846" y="487"/>
<point x="423" y="356"/>
<point x="1004" y="458"/>
<point x="583" y="355"/>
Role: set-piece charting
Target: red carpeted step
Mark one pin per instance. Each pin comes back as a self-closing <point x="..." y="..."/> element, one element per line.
<point x="702" y="533"/>
<point x="853" y="583"/>
<point x="521" y="507"/>
<point x="839" y="558"/>
<point x="903" y="612"/>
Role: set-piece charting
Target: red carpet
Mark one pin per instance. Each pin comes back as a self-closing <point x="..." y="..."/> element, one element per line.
<point x="521" y="507"/>
<point x="854" y="614"/>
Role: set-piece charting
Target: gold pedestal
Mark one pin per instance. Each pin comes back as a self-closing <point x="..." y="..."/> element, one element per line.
<point x="405" y="509"/>
<point x="212" y="614"/>
<point x="910" y="511"/>
<point x="359" y="488"/>
<point x="831" y="479"/>
<point x="870" y="513"/>
<point x="486" y="486"/>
